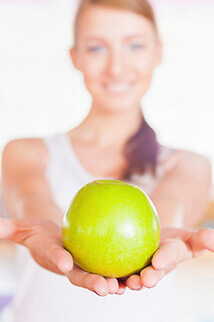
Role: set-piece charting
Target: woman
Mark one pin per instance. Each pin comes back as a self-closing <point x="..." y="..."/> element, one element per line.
<point x="117" y="49"/>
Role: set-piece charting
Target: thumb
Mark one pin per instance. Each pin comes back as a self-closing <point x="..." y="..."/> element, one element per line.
<point x="7" y="228"/>
<point x="202" y="240"/>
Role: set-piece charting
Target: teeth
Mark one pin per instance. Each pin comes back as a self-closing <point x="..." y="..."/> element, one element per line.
<point x="118" y="88"/>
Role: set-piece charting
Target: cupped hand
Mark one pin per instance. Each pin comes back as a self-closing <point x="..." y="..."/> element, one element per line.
<point x="43" y="239"/>
<point x="176" y="246"/>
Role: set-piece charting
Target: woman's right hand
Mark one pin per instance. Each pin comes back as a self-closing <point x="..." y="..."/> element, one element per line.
<point x="43" y="239"/>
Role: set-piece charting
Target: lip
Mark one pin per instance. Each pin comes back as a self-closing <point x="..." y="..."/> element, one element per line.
<point x="118" y="88"/>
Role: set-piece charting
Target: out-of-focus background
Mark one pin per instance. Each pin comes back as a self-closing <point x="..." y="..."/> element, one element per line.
<point x="41" y="94"/>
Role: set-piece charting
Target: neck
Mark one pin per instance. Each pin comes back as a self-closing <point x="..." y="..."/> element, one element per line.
<point x="107" y="129"/>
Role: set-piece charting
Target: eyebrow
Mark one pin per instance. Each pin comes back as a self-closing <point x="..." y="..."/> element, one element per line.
<point x="126" y="38"/>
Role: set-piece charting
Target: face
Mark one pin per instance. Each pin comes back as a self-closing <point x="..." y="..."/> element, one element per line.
<point x="117" y="51"/>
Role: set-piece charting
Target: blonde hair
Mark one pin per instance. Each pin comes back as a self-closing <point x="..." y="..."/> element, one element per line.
<point x="141" y="7"/>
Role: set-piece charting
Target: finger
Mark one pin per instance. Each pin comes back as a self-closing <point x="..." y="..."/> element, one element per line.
<point x="7" y="228"/>
<point x="92" y="282"/>
<point x="150" y="277"/>
<point x="62" y="259"/>
<point x="113" y="285"/>
<point x="202" y="240"/>
<point x="50" y="247"/>
<point x="122" y="288"/>
<point x="172" y="252"/>
<point x="134" y="282"/>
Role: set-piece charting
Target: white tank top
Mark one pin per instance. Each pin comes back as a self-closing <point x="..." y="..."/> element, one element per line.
<point x="42" y="296"/>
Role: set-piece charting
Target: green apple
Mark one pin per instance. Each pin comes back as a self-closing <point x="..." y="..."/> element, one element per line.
<point x="111" y="228"/>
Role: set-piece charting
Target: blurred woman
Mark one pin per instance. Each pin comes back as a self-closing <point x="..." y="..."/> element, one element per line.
<point x="117" y="48"/>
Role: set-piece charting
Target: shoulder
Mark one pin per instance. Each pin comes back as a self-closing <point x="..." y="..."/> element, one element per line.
<point x="190" y="159"/>
<point x="23" y="154"/>
<point x="189" y="164"/>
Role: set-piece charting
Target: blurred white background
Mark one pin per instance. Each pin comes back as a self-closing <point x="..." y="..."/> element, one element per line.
<point x="41" y="93"/>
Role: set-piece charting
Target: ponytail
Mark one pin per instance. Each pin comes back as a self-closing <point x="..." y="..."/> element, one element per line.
<point x="141" y="152"/>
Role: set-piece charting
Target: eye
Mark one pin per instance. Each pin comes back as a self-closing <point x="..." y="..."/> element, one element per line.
<point x="137" y="46"/>
<point x="96" y="49"/>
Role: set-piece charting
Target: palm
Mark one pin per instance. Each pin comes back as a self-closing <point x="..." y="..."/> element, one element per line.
<point x="177" y="245"/>
<point x="43" y="239"/>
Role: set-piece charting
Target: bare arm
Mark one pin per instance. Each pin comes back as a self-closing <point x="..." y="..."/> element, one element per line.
<point x="37" y="219"/>
<point x="181" y="199"/>
<point x="182" y="195"/>
<point x="25" y="190"/>
<point x="28" y="196"/>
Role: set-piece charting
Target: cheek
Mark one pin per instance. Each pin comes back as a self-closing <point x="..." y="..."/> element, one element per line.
<point x="92" y="69"/>
<point x="146" y="62"/>
<point x="145" y="66"/>
<point x="144" y="71"/>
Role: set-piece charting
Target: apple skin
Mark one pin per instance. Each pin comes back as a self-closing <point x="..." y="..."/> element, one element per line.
<point x="111" y="228"/>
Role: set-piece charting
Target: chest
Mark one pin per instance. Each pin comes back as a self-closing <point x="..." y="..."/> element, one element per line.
<point x="102" y="162"/>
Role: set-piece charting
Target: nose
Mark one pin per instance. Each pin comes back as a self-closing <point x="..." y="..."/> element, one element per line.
<point x="115" y="63"/>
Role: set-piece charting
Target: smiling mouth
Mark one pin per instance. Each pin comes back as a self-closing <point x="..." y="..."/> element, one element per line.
<point x="119" y="88"/>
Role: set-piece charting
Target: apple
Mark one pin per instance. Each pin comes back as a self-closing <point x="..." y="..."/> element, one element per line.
<point x="111" y="228"/>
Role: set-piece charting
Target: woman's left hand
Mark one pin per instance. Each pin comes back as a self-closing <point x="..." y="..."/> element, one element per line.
<point x="176" y="246"/>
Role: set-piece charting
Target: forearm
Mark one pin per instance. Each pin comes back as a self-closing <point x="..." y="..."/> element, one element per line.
<point x="171" y="211"/>
<point x="182" y="197"/>
<point x="36" y="207"/>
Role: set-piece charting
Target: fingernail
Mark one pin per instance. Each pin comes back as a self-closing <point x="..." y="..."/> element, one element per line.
<point x="139" y="288"/>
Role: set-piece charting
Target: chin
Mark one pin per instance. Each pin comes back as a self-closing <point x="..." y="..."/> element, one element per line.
<point x="117" y="103"/>
<point x="119" y="107"/>
<point x="122" y="104"/>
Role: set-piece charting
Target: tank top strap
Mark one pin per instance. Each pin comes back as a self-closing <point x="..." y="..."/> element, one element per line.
<point x="63" y="169"/>
<point x="58" y="148"/>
